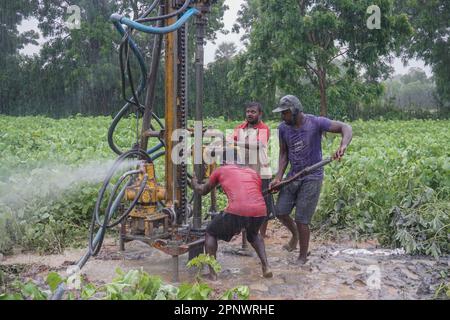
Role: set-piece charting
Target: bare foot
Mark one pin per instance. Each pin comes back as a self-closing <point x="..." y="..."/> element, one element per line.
<point x="210" y="276"/>
<point x="244" y="252"/>
<point x="301" y="261"/>
<point x="267" y="273"/>
<point x="292" y="245"/>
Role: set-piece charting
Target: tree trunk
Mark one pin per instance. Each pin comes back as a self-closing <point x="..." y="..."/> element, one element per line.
<point x="323" y="92"/>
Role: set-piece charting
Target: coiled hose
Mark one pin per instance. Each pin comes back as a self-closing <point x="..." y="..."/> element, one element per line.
<point x="96" y="241"/>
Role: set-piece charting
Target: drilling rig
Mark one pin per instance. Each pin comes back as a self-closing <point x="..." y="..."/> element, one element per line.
<point x="157" y="212"/>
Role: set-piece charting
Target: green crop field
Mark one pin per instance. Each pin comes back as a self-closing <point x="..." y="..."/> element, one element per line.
<point x="393" y="184"/>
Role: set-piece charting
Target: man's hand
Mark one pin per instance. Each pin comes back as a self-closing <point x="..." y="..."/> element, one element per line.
<point x="273" y="184"/>
<point x="200" y="187"/>
<point x="347" y="133"/>
<point x="339" y="153"/>
<point x="194" y="180"/>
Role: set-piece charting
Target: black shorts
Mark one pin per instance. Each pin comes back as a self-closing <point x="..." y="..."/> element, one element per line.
<point x="268" y="198"/>
<point x="225" y="226"/>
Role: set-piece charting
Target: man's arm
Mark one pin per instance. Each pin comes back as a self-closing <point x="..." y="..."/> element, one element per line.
<point x="346" y="132"/>
<point x="202" y="188"/>
<point x="282" y="164"/>
<point x="249" y="144"/>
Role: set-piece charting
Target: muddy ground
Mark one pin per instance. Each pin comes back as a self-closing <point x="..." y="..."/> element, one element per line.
<point x="335" y="270"/>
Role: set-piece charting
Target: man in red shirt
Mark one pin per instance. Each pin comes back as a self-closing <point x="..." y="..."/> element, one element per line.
<point x="245" y="210"/>
<point x="253" y="137"/>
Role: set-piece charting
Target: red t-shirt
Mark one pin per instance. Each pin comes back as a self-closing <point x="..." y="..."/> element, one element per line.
<point x="263" y="131"/>
<point x="260" y="161"/>
<point x="242" y="186"/>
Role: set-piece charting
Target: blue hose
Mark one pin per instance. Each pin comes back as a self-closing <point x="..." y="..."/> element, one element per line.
<point x="158" y="155"/>
<point x="117" y="18"/>
<point x="155" y="148"/>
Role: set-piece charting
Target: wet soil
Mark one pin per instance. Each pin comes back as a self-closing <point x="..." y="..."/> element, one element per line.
<point x="335" y="270"/>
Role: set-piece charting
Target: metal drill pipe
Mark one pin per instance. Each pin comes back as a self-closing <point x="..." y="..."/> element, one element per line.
<point x="182" y="124"/>
<point x="170" y="105"/>
<point x="150" y="97"/>
<point x="200" y="22"/>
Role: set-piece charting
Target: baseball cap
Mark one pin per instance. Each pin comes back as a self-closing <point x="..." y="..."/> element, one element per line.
<point x="288" y="102"/>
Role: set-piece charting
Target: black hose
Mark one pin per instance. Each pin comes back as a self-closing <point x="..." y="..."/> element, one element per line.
<point x="113" y="126"/>
<point x="132" y="205"/>
<point x="94" y="248"/>
<point x="125" y="71"/>
<point x="112" y="201"/>
<point x="116" y="121"/>
<point x="170" y="15"/>
<point x="150" y="9"/>
<point x="135" y="94"/>
<point x="97" y="241"/>
<point x="124" y="47"/>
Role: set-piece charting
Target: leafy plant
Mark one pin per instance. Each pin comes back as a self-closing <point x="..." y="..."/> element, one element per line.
<point x="25" y="291"/>
<point x="203" y="260"/>
<point x="393" y="184"/>
<point x="422" y="226"/>
<point x="443" y="289"/>
<point x="53" y="280"/>
<point x="196" y="291"/>
<point x="132" y="285"/>
<point x="237" y="293"/>
<point x="388" y="165"/>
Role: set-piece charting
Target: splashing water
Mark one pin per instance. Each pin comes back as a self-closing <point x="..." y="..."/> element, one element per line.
<point x="53" y="180"/>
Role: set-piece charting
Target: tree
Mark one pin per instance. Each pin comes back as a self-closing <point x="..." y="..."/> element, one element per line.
<point x="413" y="91"/>
<point x="12" y="13"/>
<point x="430" y="40"/>
<point x="414" y="74"/>
<point x="77" y="69"/>
<point x="297" y="39"/>
<point x="225" y="50"/>
<point x="221" y="97"/>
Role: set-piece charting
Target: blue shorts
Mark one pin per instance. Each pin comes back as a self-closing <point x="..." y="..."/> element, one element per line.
<point x="303" y="195"/>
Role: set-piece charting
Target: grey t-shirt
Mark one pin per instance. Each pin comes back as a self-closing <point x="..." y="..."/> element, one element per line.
<point x="304" y="144"/>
